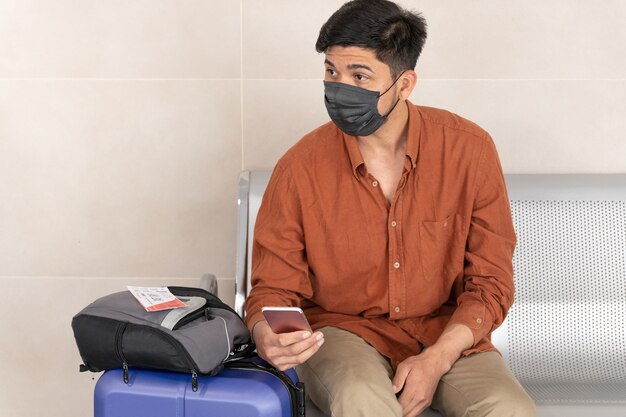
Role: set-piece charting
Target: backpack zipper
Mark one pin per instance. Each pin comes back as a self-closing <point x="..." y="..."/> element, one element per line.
<point x="194" y="381"/>
<point x="189" y="359"/>
<point x="118" y="350"/>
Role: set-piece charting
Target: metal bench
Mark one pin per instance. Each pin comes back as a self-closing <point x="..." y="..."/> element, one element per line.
<point x="565" y="336"/>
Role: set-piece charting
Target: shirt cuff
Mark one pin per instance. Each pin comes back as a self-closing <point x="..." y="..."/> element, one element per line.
<point x="476" y="316"/>
<point x="253" y="319"/>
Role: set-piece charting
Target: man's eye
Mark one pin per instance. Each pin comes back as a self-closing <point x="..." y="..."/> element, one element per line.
<point x="360" y="77"/>
<point x="330" y="71"/>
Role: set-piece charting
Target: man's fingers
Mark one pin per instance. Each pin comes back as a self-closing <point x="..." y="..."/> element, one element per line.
<point x="285" y="350"/>
<point x="285" y="357"/>
<point x="399" y="379"/>
<point x="305" y="344"/>
<point x="413" y="402"/>
<point x="414" y="410"/>
<point x="408" y="402"/>
<point x="311" y="349"/>
<point x="298" y="341"/>
<point x="287" y="362"/>
<point x="288" y="339"/>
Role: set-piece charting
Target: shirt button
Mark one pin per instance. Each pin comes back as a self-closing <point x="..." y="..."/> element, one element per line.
<point x="479" y="321"/>
<point x="397" y="309"/>
<point x="393" y="223"/>
<point x="374" y="183"/>
<point x="396" y="265"/>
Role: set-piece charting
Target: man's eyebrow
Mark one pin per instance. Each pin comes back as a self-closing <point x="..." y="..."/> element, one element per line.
<point x="361" y="66"/>
<point x="352" y="66"/>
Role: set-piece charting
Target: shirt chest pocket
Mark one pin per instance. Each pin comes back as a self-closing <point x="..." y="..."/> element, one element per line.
<point x="442" y="247"/>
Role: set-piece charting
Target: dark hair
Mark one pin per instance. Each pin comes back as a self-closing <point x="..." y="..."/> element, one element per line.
<point x="396" y="35"/>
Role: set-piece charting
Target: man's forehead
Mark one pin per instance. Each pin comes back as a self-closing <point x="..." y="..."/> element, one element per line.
<point x="350" y="55"/>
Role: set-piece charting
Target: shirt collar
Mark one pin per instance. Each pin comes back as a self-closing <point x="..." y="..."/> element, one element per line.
<point x="356" y="159"/>
<point x="412" y="142"/>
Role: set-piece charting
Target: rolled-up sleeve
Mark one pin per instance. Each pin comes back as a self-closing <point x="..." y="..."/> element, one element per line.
<point x="279" y="268"/>
<point x="488" y="271"/>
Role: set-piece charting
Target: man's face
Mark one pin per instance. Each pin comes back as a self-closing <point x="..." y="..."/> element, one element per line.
<point x="359" y="67"/>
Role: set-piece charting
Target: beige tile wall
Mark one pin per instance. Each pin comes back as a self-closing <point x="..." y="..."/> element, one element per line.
<point x="118" y="177"/>
<point x="123" y="126"/>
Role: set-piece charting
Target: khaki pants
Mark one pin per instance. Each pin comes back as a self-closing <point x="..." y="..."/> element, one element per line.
<point x="348" y="378"/>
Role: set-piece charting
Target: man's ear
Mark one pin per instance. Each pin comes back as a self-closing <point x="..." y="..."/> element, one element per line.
<point x="407" y="82"/>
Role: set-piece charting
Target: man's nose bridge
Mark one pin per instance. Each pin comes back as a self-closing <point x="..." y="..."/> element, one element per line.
<point x="347" y="79"/>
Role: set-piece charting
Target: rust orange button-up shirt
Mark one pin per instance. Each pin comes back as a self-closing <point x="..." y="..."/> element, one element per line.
<point x="396" y="274"/>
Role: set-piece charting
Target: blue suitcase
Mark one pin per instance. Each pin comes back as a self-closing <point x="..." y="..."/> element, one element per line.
<point x="241" y="390"/>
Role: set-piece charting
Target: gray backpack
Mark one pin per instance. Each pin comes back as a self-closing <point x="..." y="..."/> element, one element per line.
<point x="115" y="331"/>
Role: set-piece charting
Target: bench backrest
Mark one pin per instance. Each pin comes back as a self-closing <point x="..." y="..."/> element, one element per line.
<point x="568" y="323"/>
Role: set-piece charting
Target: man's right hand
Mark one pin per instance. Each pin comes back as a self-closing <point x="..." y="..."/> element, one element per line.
<point x="285" y="350"/>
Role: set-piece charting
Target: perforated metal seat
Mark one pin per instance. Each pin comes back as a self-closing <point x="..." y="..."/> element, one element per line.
<point x="565" y="336"/>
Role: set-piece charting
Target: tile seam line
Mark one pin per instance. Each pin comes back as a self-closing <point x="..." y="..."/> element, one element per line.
<point x="117" y="277"/>
<point x="241" y="82"/>
<point x="241" y="79"/>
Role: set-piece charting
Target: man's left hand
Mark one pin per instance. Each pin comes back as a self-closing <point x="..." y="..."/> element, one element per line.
<point x="418" y="377"/>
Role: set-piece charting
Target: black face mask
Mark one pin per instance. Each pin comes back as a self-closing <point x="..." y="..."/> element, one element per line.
<point x="354" y="109"/>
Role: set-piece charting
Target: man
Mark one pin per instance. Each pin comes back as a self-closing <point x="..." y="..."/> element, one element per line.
<point x="391" y="227"/>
